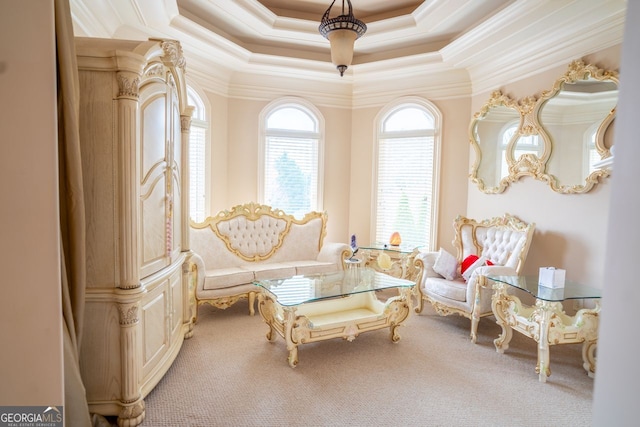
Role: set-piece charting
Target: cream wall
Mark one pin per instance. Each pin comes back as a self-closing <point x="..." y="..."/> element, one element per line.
<point x="235" y="158"/>
<point x="348" y="164"/>
<point x="31" y="364"/>
<point x="453" y="168"/>
<point x="218" y="152"/>
<point x="570" y="229"/>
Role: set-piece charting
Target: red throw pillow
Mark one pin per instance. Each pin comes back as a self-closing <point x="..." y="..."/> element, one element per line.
<point x="467" y="263"/>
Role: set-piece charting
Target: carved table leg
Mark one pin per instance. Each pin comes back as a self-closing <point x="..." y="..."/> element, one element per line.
<point x="267" y="310"/>
<point x="499" y="302"/>
<point x="252" y="302"/>
<point x="546" y="309"/>
<point x="292" y="346"/>
<point x="398" y="309"/>
<point x="588" y="357"/>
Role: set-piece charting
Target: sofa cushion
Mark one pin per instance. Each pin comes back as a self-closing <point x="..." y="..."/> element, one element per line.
<point x="451" y="289"/>
<point x="221" y="278"/>
<point x="313" y="267"/>
<point x="270" y="270"/>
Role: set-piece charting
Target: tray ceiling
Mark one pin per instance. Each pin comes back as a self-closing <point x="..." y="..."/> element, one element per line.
<point x="430" y="39"/>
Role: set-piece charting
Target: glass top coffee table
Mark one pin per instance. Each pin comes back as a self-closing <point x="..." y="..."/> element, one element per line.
<point x="546" y="322"/>
<point x="305" y="309"/>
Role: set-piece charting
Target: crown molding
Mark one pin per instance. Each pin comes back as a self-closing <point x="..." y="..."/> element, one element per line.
<point x="87" y="24"/>
<point x="571" y="30"/>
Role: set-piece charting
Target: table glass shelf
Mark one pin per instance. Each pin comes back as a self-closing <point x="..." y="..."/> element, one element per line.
<point x="571" y="290"/>
<point x="298" y="290"/>
<point x="378" y="246"/>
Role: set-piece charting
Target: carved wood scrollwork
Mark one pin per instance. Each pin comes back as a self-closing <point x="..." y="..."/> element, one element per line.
<point x="128" y="85"/>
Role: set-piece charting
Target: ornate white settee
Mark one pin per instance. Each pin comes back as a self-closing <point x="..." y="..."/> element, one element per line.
<point x="255" y="242"/>
<point x="496" y="246"/>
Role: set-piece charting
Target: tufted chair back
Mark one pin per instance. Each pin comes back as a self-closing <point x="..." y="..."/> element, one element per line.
<point x="503" y="240"/>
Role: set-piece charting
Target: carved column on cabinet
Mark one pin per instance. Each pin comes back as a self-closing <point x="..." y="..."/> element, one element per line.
<point x="133" y="408"/>
<point x="128" y="189"/>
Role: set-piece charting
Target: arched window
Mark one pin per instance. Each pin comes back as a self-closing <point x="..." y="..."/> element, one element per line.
<point x="291" y="156"/>
<point x="405" y="173"/>
<point x="506" y="133"/>
<point x="528" y="144"/>
<point x="591" y="155"/>
<point x="197" y="157"/>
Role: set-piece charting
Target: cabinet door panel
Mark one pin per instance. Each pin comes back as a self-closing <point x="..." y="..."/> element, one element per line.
<point x="153" y="128"/>
<point x="155" y="225"/>
<point x="155" y="339"/>
<point x="175" y="284"/>
<point x="153" y="208"/>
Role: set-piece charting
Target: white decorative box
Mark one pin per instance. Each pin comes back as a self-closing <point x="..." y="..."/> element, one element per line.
<point x="551" y="277"/>
<point x="550" y="294"/>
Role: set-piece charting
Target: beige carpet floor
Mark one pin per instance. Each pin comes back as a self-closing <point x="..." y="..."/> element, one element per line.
<point x="228" y="374"/>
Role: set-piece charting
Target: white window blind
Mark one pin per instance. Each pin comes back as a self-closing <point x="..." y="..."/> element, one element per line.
<point x="291" y="174"/>
<point x="405" y="177"/>
<point x="197" y="155"/>
<point x="405" y="183"/>
<point x="291" y="170"/>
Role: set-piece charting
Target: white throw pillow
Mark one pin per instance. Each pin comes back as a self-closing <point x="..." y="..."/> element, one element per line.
<point x="446" y="265"/>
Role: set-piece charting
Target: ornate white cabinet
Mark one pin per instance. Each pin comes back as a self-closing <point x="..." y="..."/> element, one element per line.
<point x="134" y="126"/>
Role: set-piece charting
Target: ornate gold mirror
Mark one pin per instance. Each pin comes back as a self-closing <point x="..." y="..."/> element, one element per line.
<point x="556" y="138"/>
<point x="576" y="117"/>
<point x="492" y="130"/>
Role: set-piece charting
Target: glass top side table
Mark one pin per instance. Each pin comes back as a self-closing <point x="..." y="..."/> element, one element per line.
<point x="546" y="322"/>
<point x="397" y="261"/>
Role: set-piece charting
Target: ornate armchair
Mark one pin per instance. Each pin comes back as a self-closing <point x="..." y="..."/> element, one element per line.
<point x="500" y="245"/>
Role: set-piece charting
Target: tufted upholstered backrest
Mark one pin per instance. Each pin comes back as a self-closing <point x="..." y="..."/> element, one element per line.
<point x="252" y="238"/>
<point x="504" y="240"/>
<point x="256" y="232"/>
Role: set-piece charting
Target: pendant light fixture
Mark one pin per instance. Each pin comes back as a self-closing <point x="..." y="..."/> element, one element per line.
<point x="342" y="32"/>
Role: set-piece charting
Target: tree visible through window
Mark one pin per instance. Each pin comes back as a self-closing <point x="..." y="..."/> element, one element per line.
<point x="406" y="174"/>
<point x="290" y="158"/>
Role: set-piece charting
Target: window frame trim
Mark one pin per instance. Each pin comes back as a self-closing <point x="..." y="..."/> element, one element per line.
<point x="379" y="134"/>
